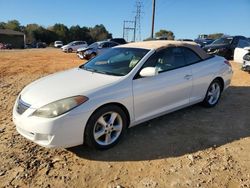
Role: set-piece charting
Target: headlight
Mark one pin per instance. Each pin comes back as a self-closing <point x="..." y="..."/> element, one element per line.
<point x="59" y="107"/>
<point x="88" y="52"/>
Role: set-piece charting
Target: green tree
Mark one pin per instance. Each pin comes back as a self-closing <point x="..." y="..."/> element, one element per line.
<point x="165" y="33"/>
<point x="13" y="25"/>
<point x="2" y="25"/>
<point x="79" y="33"/>
<point x="61" y="31"/>
<point x="30" y="30"/>
<point x="99" y="32"/>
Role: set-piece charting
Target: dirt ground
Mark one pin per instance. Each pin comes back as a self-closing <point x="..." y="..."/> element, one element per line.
<point x="194" y="147"/>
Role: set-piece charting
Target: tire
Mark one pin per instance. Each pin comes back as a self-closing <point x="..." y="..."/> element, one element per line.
<point x="213" y="94"/>
<point x="70" y="50"/>
<point x="92" y="55"/>
<point x="105" y="127"/>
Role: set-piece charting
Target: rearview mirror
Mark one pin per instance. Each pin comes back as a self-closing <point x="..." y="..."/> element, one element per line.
<point x="148" y="72"/>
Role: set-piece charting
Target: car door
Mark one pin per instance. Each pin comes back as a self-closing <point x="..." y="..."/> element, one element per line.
<point x="103" y="47"/>
<point x="168" y="90"/>
<point x="202" y="73"/>
<point x="74" y="46"/>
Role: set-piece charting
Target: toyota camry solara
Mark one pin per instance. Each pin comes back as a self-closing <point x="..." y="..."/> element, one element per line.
<point x="129" y="84"/>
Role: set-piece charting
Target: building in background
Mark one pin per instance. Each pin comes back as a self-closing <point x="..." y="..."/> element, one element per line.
<point x="14" y="38"/>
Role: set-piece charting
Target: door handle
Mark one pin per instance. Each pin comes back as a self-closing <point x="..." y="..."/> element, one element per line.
<point x="188" y="76"/>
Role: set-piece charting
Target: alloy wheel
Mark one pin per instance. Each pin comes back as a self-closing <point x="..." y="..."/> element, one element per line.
<point x="213" y="94"/>
<point x="108" y="128"/>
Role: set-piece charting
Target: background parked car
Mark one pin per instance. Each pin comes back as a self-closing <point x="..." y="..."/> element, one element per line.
<point x="95" y="49"/>
<point x="246" y="61"/>
<point x="41" y="45"/>
<point x="225" y="46"/>
<point x="73" y="46"/>
<point x="58" y="44"/>
<point x="187" y="40"/>
<point x="242" y="49"/>
<point x="5" y="46"/>
<point x="203" y="40"/>
<point x="118" y="40"/>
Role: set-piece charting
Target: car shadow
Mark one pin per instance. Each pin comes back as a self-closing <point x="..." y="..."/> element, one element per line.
<point x="185" y="131"/>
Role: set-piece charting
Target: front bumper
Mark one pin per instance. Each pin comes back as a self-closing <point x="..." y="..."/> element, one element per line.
<point x="64" y="131"/>
<point x="246" y="66"/>
<point x="80" y="55"/>
<point x="64" y="49"/>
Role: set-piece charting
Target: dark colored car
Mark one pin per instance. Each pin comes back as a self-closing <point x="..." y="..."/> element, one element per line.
<point x="5" y="46"/>
<point x="225" y="46"/>
<point x="95" y="49"/>
<point x="203" y="40"/>
<point x="187" y="40"/>
<point x="118" y="40"/>
<point x="41" y="45"/>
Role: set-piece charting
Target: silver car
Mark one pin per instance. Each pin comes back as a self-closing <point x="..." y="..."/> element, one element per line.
<point x="95" y="49"/>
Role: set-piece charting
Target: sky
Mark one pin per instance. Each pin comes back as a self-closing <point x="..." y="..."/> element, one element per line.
<point x="186" y="18"/>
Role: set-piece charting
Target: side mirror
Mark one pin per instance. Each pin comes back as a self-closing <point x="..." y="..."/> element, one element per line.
<point x="148" y="72"/>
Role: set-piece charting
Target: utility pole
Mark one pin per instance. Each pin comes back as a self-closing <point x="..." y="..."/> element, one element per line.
<point x="153" y="20"/>
<point x="127" y="27"/>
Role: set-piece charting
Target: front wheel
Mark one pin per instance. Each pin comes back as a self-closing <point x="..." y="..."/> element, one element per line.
<point x="70" y="50"/>
<point x="213" y="94"/>
<point x="92" y="55"/>
<point x="105" y="127"/>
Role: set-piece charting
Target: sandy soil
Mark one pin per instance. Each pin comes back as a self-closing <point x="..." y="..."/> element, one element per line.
<point x="194" y="147"/>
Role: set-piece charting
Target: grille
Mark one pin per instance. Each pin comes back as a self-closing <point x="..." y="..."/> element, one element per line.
<point x="21" y="106"/>
<point x="247" y="57"/>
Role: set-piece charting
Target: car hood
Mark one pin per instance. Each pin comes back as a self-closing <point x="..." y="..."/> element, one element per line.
<point x="64" y="84"/>
<point x="65" y="46"/>
<point x="82" y="49"/>
<point x="85" y="49"/>
<point x="215" y="46"/>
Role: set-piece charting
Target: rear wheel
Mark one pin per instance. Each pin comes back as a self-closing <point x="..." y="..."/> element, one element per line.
<point x="213" y="94"/>
<point x="105" y="127"/>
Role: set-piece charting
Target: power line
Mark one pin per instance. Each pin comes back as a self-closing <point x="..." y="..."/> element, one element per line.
<point x="128" y="27"/>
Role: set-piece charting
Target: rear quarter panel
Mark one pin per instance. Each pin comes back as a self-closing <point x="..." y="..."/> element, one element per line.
<point x="205" y="72"/>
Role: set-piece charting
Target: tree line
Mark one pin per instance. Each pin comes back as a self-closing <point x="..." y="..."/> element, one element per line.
<point x="38" y="33"/>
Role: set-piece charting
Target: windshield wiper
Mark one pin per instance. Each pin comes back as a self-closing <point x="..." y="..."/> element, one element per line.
<point x="101" y="72"/>
<point x="113" y="74"/>
<point x="93" y="70"/>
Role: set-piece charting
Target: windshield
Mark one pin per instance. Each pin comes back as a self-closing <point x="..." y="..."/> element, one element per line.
<point x="93" y="45"/>
<point x="71" y="43"/>
<point x="223" y="41"/>
<point x="116" y="61"/>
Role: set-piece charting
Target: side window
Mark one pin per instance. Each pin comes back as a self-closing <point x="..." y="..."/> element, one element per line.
<point x="105" y="45"/>
<point x="112" y="44"/>
<point x="243" y="43"/>
<point x="235" y="42"/>
<point x="190" y="56"/>
<point x="167" y="59"/>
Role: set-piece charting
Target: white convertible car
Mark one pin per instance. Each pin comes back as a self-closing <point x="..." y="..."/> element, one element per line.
<point x="129" y="84"/>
